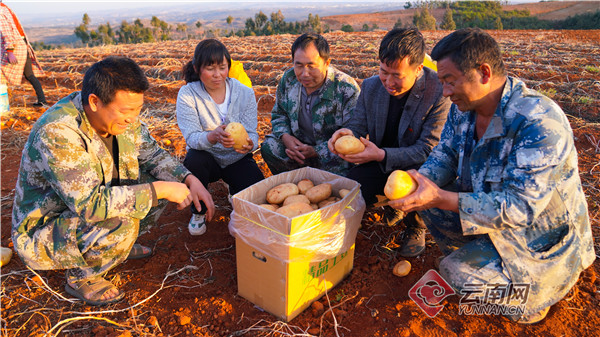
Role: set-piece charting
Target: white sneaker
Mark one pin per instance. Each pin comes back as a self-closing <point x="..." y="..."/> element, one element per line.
<point x="197" y="225"/>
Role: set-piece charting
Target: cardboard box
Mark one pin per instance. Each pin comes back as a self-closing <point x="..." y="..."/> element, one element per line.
<point x="286" y="289"/>
<point x="284" y="264"/>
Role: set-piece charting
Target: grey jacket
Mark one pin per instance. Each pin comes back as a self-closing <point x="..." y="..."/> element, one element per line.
<point x="420" y="126"/>
<point x="197" y="115"/>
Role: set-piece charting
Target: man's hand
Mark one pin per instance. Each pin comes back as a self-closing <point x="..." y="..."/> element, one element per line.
<point x="428" y="195"/>
<point x="336" y="135"/>
<point x="370" y="153"/>
<point x="297" y="150"/>
<point x="12" y="59"/>
<point x="199" y="192"/>
<point x="172" y="191"/>
<point x="218" y="135"/>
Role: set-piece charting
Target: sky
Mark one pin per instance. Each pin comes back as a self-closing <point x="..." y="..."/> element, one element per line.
<point x="23" y="7"/>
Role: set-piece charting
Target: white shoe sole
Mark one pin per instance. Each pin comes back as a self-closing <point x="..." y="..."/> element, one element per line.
<point x="197" y="231"/>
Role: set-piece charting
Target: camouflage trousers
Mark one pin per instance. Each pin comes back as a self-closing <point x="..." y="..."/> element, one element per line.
<point x="470" y="259"/>
<point x="273" y="153"/>
<point x="106" y="244"/>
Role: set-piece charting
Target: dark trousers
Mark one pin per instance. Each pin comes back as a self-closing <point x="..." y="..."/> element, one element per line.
<point x="371" y="178"/>
<point x="372" y="181"/>
<point x="29" y="76"/>
<point x="238" y="176"/>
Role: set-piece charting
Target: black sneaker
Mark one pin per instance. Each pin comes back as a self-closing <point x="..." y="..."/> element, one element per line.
<point x="40" y="104"/>
<point x="413" y="239"/>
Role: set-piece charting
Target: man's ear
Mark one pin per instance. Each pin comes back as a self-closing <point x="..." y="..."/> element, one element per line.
<point x="93" y="102"/>
<point x="486" y="73"/>
<point x="327" y="62"/>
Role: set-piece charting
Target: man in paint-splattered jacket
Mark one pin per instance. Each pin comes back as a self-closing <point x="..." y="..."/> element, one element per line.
<point x="90" y="171"/>
<point x="512" y="210"/>
<point x="313" y="100"/>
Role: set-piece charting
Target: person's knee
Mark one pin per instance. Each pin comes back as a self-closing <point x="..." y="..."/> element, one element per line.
<point x="268" y="148"/>
<point x="452" y="271"/>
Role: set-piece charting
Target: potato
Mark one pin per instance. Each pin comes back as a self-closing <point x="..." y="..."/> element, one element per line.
<point x="295" y="209"/>
<point x="314" y="206"/>
<point x="277" y="194"/>
<point x="401" y="268"/>
<point x="349" y="145"/>
<point x="270" y="207"/>
<point x="304" y="185"/>
<point x="5" y="255"/>
<point x="326" y="203"/>
<point x="319" y="193"/>
<point x="399" y="184"/>
<point x="296" y="198"/>
<point x="343" y="192"/>
<point x="238" y="133"/>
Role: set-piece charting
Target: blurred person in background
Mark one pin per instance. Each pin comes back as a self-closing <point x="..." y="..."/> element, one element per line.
<point x="18" y="57"/>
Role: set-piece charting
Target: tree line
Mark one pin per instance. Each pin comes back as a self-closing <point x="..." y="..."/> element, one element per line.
<point x="490" y="15"/>
<point x="160" y="30"/>
<point x="457" y="14"/>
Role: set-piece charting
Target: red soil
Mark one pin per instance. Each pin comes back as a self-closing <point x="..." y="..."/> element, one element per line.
<point x="199" y="297"/>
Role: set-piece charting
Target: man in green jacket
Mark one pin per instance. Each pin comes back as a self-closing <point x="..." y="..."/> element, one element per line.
<point x="91" y="175"/>
<point x="313" y="100"/>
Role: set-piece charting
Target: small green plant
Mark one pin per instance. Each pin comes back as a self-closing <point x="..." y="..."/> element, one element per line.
<point x="584" y="100"/>
<point x="339" y="295"/>
<point x="513" y="52"/>
<point x="592" y="69"/>
<point x="550" y="92"/>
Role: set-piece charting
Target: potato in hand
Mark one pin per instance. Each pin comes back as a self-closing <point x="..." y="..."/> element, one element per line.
<point x="399" y="184"/>
<point x="239" y="135"/>
<point x="349" y="144"/>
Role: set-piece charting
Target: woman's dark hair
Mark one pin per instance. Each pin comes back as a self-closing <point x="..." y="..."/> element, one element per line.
<point x="207" y="52"/>
<point x="399" y="43"/>
<point x="319" y="41"/>
<point x="106" y="77"/>
<point x="469" y="48"/>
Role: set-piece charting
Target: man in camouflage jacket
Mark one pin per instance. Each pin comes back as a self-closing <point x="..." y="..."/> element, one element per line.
<point x="79" y="199"/>
<point x="313" y="100"/>
<point x="512" y="213"/>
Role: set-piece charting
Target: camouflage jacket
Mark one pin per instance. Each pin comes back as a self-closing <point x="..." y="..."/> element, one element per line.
<point x="65" y="178"/>
<point x="332" y="112"/>
<point x="527" y="194"/>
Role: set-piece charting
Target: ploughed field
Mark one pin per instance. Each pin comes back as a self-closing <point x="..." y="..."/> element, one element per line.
<point x="189" y="286"/>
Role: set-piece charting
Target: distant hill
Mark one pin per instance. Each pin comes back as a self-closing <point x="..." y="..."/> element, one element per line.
<point x="553" y="10"/>
<point x="59" y="29"/>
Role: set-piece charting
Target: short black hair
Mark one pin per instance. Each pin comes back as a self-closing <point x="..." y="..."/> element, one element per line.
<point x="319" y="41"/>
<point x="207" y="52"/>
<point x="399" y="43"/>
<point x="469" y="48"/>
<point x="114" y="73"/>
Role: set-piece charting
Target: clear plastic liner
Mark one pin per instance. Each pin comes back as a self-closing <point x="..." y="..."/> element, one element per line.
<point x="316" y="236"/>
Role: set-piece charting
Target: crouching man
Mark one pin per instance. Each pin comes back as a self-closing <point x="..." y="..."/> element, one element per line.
<point x="90" y="176"/>
<point x="501" y="192"/>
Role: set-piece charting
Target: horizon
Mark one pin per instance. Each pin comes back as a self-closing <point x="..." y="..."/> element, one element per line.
<point x="32" y="11"/>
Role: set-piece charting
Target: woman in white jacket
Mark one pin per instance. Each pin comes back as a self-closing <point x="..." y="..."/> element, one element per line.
<point x="205" y="105"/>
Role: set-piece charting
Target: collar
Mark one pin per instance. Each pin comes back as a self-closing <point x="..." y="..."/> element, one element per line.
<point x="327" y="90"/>
<point x="84" y="122"/>
<point x="497" y="127"/>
